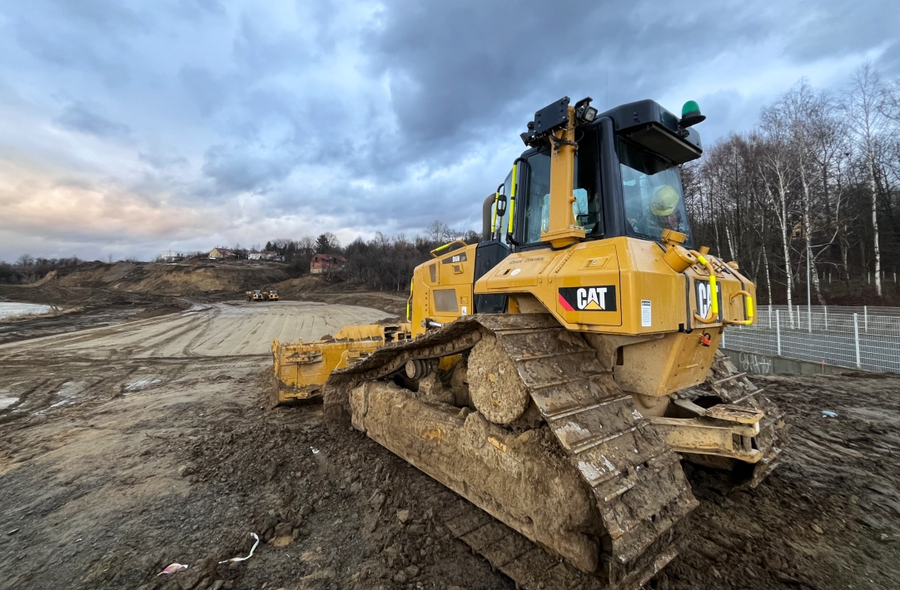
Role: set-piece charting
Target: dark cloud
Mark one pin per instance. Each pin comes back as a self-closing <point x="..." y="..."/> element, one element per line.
<point x="78" y="117"/>
<point x="833" y="29"/>
<point x="889" y="62"/>
<point x="162" y="161"/>
<point x="207" y="91"/>
<point x="67" y="49"/>
<point x="107" y="16"/>
<point x="456" y="68"/>
<point x="246" y="168"/>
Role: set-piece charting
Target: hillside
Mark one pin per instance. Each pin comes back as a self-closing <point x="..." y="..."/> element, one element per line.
<point x="98" y="281"/>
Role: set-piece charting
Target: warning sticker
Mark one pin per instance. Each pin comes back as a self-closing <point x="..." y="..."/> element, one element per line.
<point x="646" y="313"/>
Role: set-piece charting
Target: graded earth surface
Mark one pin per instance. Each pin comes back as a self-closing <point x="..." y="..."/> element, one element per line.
<point x="134" y="435"/>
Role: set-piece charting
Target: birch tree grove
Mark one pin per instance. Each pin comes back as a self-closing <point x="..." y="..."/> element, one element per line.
<point x="815" y="185"/>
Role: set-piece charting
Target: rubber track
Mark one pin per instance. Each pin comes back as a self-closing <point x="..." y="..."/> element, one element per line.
<point x="637" y="482"/>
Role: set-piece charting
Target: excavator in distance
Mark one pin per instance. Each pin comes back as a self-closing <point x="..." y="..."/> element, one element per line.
<point x="555" y="373"/>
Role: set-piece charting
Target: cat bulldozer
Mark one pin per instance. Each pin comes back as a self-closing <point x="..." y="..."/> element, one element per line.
<point x="556" y="373"/>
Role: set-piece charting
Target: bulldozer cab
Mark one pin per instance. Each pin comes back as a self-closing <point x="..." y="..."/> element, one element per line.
<point x="623" y="167"/>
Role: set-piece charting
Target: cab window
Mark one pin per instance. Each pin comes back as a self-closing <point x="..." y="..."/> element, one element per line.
<point x="586" y="208"/>
<point x="651" y="187"/>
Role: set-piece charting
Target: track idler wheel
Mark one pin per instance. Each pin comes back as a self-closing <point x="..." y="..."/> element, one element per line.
<point x="494" y="384"/>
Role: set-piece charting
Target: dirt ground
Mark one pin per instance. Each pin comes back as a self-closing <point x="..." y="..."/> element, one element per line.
<point x="128" y="446"/>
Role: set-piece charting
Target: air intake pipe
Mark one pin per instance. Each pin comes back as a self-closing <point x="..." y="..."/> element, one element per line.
<point x="487" y="217"/>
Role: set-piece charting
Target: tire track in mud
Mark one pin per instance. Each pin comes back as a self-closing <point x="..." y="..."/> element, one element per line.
<point x="246" y="339"/>
<point x="82" y="335"/>
<point x="152" y="347"/>
<point x="188" y="350"/>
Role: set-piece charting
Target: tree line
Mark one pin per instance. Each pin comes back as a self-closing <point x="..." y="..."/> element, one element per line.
<point x="816" y="182"/>
<point x="382" y="263"/>
<point x="28" y="269"/>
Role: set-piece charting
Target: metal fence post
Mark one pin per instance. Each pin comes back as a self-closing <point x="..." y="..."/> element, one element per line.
<point x="798" y="317"/>
<point x="770" y="316"/>
<point x="778" y="330"/>
<point x="856" y="336"/>
<point x="825" y="308"/>
<point x="866" y="317"/>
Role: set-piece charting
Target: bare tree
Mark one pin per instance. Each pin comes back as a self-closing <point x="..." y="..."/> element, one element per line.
<point x="865" y="106"/>
<point x="776" y="167"/>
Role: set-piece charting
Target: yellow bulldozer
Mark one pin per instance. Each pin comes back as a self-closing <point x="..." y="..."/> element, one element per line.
<point x="556" y="373"/>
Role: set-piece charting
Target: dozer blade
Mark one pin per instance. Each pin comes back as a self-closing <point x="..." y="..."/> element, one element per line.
<point x="593" y="483"/>
<point x="301" y="368"/>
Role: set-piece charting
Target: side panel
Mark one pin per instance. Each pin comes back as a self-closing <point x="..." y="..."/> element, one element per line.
<point x="442" y="288"/>
<point x="619" y="286"/>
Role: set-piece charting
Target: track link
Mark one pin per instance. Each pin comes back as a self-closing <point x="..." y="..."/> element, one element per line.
<point x="636" y="481"/>
<point x="524" y="562"/>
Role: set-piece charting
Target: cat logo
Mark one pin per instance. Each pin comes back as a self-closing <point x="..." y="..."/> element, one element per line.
<point x="704" y="299"/>
<point x="600" y="298"/>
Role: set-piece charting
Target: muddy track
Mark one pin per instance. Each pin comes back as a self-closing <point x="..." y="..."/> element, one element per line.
<point x="636" y="481"/>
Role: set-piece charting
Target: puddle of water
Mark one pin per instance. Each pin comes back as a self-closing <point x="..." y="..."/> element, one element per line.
<point x="8" y="309"/>
<point x="141" y="384"/>
<point x="5" y="402"/>
<point x="68" y="393"/>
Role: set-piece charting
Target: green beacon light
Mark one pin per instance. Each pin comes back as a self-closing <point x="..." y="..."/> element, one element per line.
<point x="690" y="114"/>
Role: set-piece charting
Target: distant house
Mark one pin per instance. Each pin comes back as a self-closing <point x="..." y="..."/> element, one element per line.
<point x="171" y="256"/>
<point x="265" y="255"/>
<point x="221" y="253"/>
<point x="323" y="263"/>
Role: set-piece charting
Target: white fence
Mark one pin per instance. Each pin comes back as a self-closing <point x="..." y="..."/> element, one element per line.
<point x="866" y="338"/>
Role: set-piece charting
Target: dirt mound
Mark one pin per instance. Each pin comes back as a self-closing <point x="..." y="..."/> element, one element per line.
<point x="315" y="288"/>
<point x="171" y="279"/>
<point x="96" y="293"/>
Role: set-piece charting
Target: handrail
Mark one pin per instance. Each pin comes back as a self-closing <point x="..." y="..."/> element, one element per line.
<point x="409" y="301"/>
<point x="748" y="309"/>
<point x="434" y="253"/>
<point x="713" y="312"/>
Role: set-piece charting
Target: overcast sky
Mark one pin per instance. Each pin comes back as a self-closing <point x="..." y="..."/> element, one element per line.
<point x="129" y="128"/>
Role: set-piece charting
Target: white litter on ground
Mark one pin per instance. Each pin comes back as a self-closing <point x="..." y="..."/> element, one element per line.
<point x="252" y="549"/>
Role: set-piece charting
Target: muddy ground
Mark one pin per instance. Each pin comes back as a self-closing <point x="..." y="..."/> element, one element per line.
<point x="131" y="446"/>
